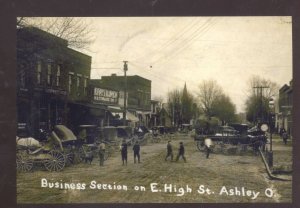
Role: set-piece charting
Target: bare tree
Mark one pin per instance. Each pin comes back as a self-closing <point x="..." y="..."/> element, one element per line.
<point x="77" y="31"/>
<point x="209" y="91"/>
<point x="260" y="91"/>
<point x="175" y="105"/>
<point x="271" y="90"/>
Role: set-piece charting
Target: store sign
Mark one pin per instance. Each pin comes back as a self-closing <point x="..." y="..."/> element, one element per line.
<point x="105" y="95"/>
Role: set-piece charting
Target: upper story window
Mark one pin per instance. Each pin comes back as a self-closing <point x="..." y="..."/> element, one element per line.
<point x="78" y="81"/>
<point x="70" y="82"/>
<point x="39" y="71"/>
<point x="85" y="86"/>
<point x="58" y="71"/>
<point x="49" y="74"/>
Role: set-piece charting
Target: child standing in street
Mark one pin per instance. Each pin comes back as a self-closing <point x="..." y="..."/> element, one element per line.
<point x="181" y="152"/>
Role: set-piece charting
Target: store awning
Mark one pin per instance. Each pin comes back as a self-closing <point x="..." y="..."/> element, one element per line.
<point x="114" y="109"/>
<point x="143" y="112"/>
<point x="97" y="110"/>
<point x="129" y="116"/>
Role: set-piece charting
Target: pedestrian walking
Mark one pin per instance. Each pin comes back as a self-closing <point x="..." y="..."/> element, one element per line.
<point x="124" y="152"/>
<point x="181" y="152"/>
<point x="101" y="153"/>
<point x="208" y="144"/>
<point x="136" y="152"/>
<point x="284" y="137"/>
<point x="169" y="151"/>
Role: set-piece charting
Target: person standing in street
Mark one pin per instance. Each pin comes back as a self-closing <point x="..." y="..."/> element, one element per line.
<point x="285" y="137"/>
<point x="181" y="152"/>
<point x="169" y="151"/>
<point x="101" y="153"/>
<point x="124" y="152"/>
<point x="208" y="144"/>
<point x="136" y="152"/>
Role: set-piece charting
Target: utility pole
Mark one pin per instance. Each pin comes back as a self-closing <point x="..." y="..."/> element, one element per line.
<point x="125" y="92"/>
<point x="259" y="91"/>
<point x="270" y="153"/>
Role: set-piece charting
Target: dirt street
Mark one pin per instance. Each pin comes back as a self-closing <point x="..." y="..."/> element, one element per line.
<point x="221" y="178"/>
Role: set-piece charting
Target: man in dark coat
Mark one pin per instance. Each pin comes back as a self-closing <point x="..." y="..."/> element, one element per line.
<point x="181" y="152"/>
<point x="169" y="151"/>
<point x="124" y="152"/>
<point x="136" y="152"/>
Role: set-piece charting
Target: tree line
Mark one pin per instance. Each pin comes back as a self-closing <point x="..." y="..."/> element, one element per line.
<point x="211" y="104"/>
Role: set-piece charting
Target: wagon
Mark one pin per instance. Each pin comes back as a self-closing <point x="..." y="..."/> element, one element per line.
<point x="142" y="135"/>
<point x="29" y="156"/>
<point x="227" y="137"/>
<point x="89" y="134"/>
<point x="186" y="128"/>
<point x="60" y="149"/>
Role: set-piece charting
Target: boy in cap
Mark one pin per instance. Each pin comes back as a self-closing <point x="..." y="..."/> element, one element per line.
<point x="169" y="151"/>
<point x="136" y="151"/>
<point x="181" y="152"/>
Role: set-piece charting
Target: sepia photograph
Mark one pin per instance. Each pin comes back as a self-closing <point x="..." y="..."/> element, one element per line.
<point x="161" y="109"/>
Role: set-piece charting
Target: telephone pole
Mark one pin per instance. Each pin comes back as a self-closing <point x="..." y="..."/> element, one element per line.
<point x="125" y="92"/>
<point x="259" y="91"/>
<point x="270" y="152"/>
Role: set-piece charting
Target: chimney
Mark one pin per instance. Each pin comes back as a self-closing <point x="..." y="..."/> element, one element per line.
<point x="113" y="75"/>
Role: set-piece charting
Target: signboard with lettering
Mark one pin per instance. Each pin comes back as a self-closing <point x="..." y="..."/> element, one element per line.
<point x="105" y="95"/>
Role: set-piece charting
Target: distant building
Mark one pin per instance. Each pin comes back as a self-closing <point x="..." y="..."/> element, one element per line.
<point x="164" y="116"/>
<point x="139" y="94"/>
<point x="107" y="99"/>
<point x="285" y="107"/>
<point x="155" y="110"/>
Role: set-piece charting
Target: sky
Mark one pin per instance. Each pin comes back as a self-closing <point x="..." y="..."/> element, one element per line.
<point x="171" y="51"/>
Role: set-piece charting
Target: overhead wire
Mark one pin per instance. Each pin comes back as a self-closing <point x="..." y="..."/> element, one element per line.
<point x="186" y="43"/>
<point x="172" y="40"/>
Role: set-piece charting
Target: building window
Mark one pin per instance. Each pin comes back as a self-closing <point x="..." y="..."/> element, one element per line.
<point x="70" y="83"/>
<point x="78" y="81"/>
<point x="58" y="75"/>
<point x="39" y="71"/>
<point x="49" y="74"/>
<point x="85" y="86"/>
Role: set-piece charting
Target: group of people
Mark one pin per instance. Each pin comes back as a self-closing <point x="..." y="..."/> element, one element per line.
<point x="136" y="152"/>
<point x="207" y="143"/>
<point x="170" y="152"/>
<point x="123" y="149"/>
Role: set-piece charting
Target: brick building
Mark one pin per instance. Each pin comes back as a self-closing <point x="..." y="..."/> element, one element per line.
<point x="285" y="107"/>
<point x="139" y="94"/>
<point x="50" y="79"/>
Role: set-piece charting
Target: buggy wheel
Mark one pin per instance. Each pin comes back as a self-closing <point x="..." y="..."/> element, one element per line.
<point x="69" y="155"/>
<point x="79" y="155"/>
<point x="24" y="164"/>
<point x="200" y="146"/>
<point x="56" y="161"/>
<point x="69" y="158"/>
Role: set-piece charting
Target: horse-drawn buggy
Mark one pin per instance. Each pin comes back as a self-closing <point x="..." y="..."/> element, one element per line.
<point x="142" y="135"/>
<point x="230" y="140"/>
<point x="59" y="149"/>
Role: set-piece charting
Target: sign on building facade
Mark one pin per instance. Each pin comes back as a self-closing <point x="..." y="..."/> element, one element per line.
<point x="105" y="95"/>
